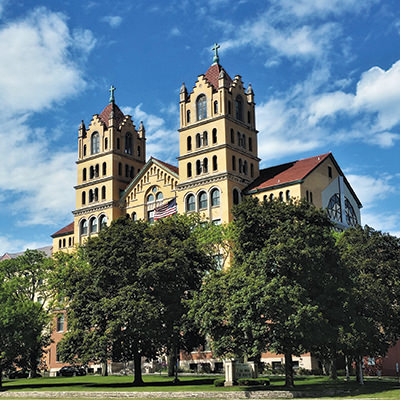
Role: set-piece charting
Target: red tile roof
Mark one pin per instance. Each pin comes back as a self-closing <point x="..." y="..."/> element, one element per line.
<point x="170" y="166"/>
<point x="286" y="173"/>
<point x="212" y="75"/>
<point x="64" y="231"/>
<point x="118" y="114"/>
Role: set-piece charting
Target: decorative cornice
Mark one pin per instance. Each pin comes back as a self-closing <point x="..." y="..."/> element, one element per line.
<point x="106" y="153"/>
<point x="269" y="188"/>
<point x="93" y="182"/>
<point x="96" y="207"/>
<point x="211" y="179"/>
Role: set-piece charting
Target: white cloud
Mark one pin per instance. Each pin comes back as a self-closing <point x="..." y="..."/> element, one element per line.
<point x="10" y="245"/>
<point x="113" y="20"/>
<point x="35" y="67"/>
<point x="382" y="221"/>
<point x="175" y="31"/>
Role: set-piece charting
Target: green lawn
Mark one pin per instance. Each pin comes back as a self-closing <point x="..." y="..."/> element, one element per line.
<point x="318" y="387"/>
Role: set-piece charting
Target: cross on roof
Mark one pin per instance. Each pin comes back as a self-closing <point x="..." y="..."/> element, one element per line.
<point x="216" y="57"/>
<point x="112" y="90"/>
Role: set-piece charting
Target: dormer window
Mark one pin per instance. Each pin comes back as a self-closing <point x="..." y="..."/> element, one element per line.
<point x="95" y="143"/>
<point x="201" y="105"/>
<point x="239" y="108"/>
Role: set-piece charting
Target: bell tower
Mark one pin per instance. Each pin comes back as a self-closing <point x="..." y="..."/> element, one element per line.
<point x="218" y="142"/>
<point x="111" y="152"/>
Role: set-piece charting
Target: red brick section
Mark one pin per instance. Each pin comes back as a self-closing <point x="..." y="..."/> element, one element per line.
<point x="212" y="75"/>
<point x="286" y="173"/>
<point x="169" y="166"/>
<point x="118" y="114"/>
<point x="64" y="231"/>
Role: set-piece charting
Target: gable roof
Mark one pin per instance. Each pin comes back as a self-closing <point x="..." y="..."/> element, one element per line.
<point x="212" y="75"/>
<point x="8" y="256"/>
<point x="64" y="231"/>
<point x="105" y="114"/>
<point x="171" y="169"/>
<point x="293" y="172"/>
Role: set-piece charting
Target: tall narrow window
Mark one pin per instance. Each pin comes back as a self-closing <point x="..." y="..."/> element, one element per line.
<point x="215" y="197"/>
<point x="202" y="200"/>
<point x="150" y="216"/>
<point x="248" y="117"/>
<point x="134" y="216"/>
<point x="190" y="203"/>
<point x="214" y="136"/>
<point x="102" y="222"/>
<point x="205" y="165"/>
<point x="250" y="144"/>
<point x="96" y="171"/>
<point x="84" y="174"/>
<point x="307" y="196"/>
<point x="287" y="195"/>
<point x="205" y="138"/>
<point x="104" y="168"/>
<point x="201" y="105"/>
<point x="84" y="150"/>
<point x="118" y="144"/>
<point x="239" y="108"/>
<point x="91" y="196"/>
<point x="96" y="194"/>
<point x="83" y="198"/>
<point x="271" y="197"/>
<point x="131" y="172"/>
<point x="119" y="168"/>
<point x="189" y="143"/>
<point x="198" y="140"/>
<point x="198" y="167"/>
<point x="95" y="143"/>
<point x="215" y="107"/>
<point x="215" y="163"/>
<point x="91" y="172"/>
<point x="235" y="196"/>
<point x="229" y="108"/>
<point x="240" y="166"/>
<point x="234" y="163"/>
<point x="138" y="151"/>
<point x="252" y="170"/>
<point x="60" y="323"/>
<point x="239" y="139"/>
<point x="187" y="116"/>
<point x="232" y="136"/>
<point x="244" y="141"/>
<point x="93" y="225"/>
<point x="83" y="227"/>
<point x="281" y="196"/>
<point x="105" y="143"/>
<point x="330" y="172"/>
<point x="103" y="193"/>
<point x="245" y="168"/>
<point x="127" y="170"/>
<point x="189" y="170"/>
<point x="128" y="143"/>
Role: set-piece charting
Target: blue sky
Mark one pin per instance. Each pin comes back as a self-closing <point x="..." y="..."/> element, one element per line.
<point x="326" y="76"/>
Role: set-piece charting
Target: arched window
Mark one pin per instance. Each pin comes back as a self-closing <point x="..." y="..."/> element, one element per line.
<point x="91" y="172"/>
<point x="60" y="323"/>
<point x="102" y="222"/>
<point x="119" y="168"/>
<point x="198" y="167"/>
<point x="248" y="117"/>
<point x="150" y="198"/>
<point x="205" y="138"/>
<point x="239" y="108"/>
<point x="240" y="165"/>
<point x="215" y="163"/>
<point x="84" y="150"/>
<point x="281" y="196"/>
<point x="330" y="172"/>
<point x="245" y="168"/>
<point x="232" y="136"/>
<point x="235" y="196"/>
<point x="198" y="140"/>
<point x="351" y="217"/>
<point x="159" y="196"/>
<point x="205" y="165"/>
<point x="189" y="170"/>
<point x="96" y="171"/>
<point x="84" y="174"/>
<point x="307" y="196"/>
<point x="215" y="107"/>
<point x="334" y="208"/>
<point x="265" y="198"/>
<point x="93" y="225"/>
<point x="127" y="170"/>
<point x="187" y="116"/>
<point x="287" y="195"/>
<point x="244" y="141"/>
<point x="138" y="151"/>
<point x="271" y="197"/>
<point x="91" y="196"/>
<point x="214" y="136"/>
<point x="95" y="143"/>
<point x="103" y="193"/>
<point x="252" y="170"/>
<point x="202" y="200"/>
<point x="134" y="216"/>
<point x="201" y="106"/>
<point x="105" y="143"/>
<point x="234" y="163"/>
<point x="189" y="143"/>
<point x="64" y="243"/>
<point x="215" y="197"/>
<point x="190" y="203"/>
<point x="250" y="144"/>
<point x="131" y="172"/>
<point x="128" y="143"/>
<point x="83" y="227"/>
<point x="83" y="198"/>
<point x="118" y="144"/>
<point x="96" y="194"/>
<point x="104" y="168"/>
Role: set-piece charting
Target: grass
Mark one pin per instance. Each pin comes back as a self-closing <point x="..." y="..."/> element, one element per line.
<point x="315" y="386"/>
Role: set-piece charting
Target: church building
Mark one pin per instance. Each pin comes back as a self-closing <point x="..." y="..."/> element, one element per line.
<point x="218" y="164"/>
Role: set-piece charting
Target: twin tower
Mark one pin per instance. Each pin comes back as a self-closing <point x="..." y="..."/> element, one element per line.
<point x="218" y="158"/>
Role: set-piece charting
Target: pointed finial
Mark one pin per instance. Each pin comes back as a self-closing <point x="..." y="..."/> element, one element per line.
<point x="249" y="89"/>
<point x="216" y="57"/>
<point x="183" y="88"/>
<point x="112" y="90"/>
<point x="82" y="125"/>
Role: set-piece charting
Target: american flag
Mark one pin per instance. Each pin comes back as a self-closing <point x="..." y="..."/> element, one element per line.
<point x="165" y="210"/>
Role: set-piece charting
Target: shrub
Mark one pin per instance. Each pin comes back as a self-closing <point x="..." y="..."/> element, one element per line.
<point x="219" y="382"/>
<point x="253" y="382"/>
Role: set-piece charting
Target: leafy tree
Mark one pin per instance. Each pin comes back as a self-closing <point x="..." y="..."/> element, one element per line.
<point x="372" y="259"/>
<point x="282" y="289"/>
<point x="26" y="309"/>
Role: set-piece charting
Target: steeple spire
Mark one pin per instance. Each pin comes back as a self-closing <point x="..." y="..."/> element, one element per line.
<point x="216" y="57"/>
<point x="112" y="90"/>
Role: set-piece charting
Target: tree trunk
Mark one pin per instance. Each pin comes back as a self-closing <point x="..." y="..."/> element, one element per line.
<point x="360" y="371"/>
<point x="33" y="364"/>
<point x="104" y="369"/>
<point x="347" y="366"/>
<point x="333" y="369"/>
<point x="171" y="360"/>
<point x="1" y="378"/>
<point x="289" y="380"/>
<point x="137" y="362"/>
